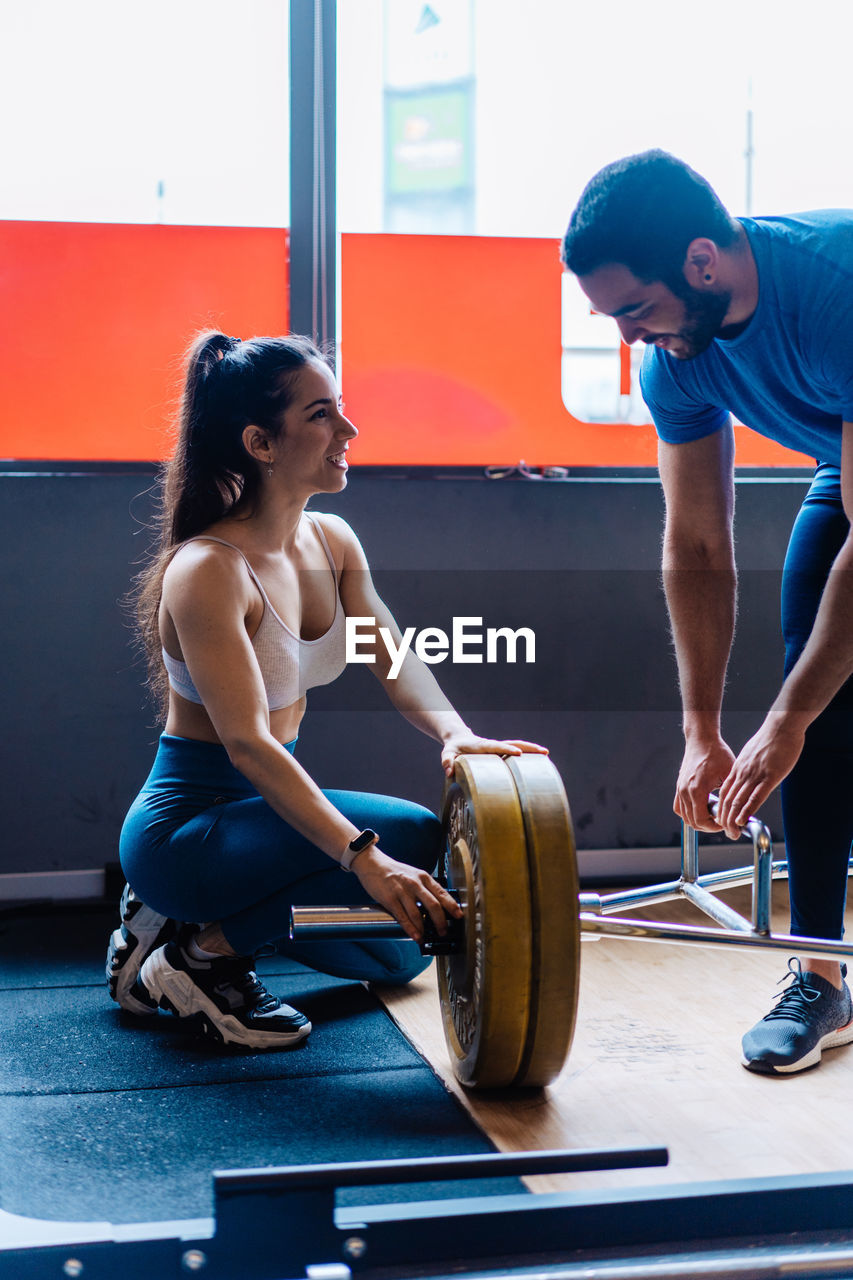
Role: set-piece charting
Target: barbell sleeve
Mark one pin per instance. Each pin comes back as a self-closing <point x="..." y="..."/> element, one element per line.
<point x="354" y="923"/>
<point x="310" y="924"/>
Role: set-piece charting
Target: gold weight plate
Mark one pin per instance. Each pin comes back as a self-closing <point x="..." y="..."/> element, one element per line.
<point x="485" y="990"/>
<point x="555" y="923"/>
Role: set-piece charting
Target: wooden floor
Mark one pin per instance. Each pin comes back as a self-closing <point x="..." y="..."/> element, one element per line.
<point x="656" y="1061"/>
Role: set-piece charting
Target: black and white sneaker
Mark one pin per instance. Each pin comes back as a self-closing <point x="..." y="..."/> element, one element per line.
<point x="224" y="995"/>
<point x="140" y="932"/>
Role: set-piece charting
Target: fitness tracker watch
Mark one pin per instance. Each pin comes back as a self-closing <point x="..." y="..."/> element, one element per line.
<point x="362" y="841"/>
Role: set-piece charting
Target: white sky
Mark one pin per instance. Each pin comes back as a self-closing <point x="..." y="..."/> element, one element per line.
<point x="103" y="100"/>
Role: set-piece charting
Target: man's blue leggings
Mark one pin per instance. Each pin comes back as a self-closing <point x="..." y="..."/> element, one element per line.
<point x="200" y="844"/>
<point x="817" y="796"/>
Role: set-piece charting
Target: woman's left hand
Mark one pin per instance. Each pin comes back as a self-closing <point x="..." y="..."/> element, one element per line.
<point x="469" y="744"/>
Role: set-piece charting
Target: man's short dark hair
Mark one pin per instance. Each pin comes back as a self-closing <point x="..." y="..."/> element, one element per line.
<point x="643" y="211"/>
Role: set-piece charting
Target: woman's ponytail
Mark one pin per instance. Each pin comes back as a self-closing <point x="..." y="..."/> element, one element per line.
<point x="229" y="385"/>
<point x="204" y="478"/>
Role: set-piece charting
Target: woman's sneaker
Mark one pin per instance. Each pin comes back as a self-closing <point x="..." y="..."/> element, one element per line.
<point x="141" y="931"/>
<point x="811" y="1015"/>
<point x="224" y="995"/>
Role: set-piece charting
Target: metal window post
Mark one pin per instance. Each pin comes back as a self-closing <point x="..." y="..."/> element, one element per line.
<point x="313" y="73"/>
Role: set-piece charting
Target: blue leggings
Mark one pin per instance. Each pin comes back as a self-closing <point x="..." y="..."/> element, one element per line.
<point x="199" y="843"/>
<point x="817" y="796"/>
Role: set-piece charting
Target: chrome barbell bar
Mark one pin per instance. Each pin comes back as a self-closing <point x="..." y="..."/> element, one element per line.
<point x="314" y="923"/>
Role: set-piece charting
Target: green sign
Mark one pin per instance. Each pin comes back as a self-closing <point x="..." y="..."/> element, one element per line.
<point x="428" y="140"/>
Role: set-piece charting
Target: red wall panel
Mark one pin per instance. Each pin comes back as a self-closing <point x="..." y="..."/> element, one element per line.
<point x="451" y="355"/>
<point x="94" y="318"/>
<point x="450" y="347"/>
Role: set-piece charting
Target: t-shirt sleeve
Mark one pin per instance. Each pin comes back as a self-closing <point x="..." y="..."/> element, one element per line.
<point x="835" y="359"/>
<point x="677" y="416"/>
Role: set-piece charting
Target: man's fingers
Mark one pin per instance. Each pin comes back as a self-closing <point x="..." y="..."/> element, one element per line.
<point x="702" y="818"/>
<point x="696" y="815"/>
<point x="731" y="805"/>
<point x="744" y="810"/>
<point x="741" y="805"/>
<point x="730" y="827"/>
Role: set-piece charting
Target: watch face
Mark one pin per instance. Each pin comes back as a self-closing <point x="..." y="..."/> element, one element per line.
<point x="363" y="840"/>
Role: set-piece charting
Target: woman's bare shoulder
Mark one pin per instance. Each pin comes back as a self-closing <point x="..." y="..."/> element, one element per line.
<point x="340" y="536"/>
<point x="202" y="567"/>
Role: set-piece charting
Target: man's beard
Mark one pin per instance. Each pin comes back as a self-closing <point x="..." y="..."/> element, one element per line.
<point x="703" y="321"/>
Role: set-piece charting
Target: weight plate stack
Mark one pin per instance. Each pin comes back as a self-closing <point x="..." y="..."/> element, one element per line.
<point x="555" y="923"/>
<point x="485" y="990"/>
<point x="509" y="998"/>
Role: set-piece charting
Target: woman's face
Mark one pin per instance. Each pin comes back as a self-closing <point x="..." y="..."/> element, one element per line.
<point x="311" y="449"/>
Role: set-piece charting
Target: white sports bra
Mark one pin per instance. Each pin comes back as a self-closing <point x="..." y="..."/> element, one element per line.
<point x="289" y="665"/>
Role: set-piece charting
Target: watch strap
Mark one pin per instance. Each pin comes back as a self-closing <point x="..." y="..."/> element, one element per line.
<point x="362" y="841"/>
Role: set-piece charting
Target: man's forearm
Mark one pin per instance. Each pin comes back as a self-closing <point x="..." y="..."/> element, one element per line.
<point x="701" y="598"/>
<point x="827" y="659"/>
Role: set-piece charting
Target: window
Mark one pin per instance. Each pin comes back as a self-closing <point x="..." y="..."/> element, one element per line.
<point x="452" y="297"/>
<point x="144" y="196"/>
<point x="157" y="113"/>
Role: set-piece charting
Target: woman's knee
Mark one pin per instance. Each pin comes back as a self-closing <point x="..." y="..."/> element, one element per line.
<point x="391" y="964"/>
<point x="422" y="840"/>
<point x="399" y="963"/>
<point x="385" y="961"/>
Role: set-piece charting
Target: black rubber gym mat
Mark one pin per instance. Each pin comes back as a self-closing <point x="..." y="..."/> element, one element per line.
<point x="112" y="1118"/>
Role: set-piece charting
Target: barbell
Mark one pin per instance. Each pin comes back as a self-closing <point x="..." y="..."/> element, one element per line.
<point x="508" y="971"/>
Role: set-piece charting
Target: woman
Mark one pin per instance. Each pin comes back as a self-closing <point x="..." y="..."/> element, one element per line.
<point x="242" y="612"/>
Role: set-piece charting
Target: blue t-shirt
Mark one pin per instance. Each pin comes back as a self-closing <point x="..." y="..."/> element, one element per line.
<point x="789" y="374"/>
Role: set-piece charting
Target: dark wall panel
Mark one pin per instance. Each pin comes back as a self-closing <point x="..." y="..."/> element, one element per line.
<point x="574" y="560"/>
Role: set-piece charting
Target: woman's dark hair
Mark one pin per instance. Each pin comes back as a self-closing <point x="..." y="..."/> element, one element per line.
<point x="643" y="211"/>
<point x="229" y="385"/>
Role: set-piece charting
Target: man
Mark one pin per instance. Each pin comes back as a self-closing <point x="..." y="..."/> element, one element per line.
<point x="750" y="316"/>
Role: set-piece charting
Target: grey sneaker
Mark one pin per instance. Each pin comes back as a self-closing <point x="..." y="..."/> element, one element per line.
<point x="141" y="931"/>
<point x="811" y="1015"/>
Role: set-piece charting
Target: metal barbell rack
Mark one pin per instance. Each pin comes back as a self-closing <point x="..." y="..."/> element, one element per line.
<point x="735" y="930"/>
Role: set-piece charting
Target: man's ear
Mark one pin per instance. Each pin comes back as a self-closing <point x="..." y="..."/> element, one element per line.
<point x="701" y="264"/>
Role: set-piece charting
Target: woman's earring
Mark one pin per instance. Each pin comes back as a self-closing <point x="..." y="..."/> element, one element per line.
<point x="269" y="470"/>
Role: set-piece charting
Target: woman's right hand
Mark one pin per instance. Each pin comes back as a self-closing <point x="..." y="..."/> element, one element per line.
<point x="398" y="888"/>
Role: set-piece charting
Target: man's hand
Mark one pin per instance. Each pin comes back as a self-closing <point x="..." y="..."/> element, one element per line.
<point x="766" y="759"/>
<point x="706" y="763"/>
